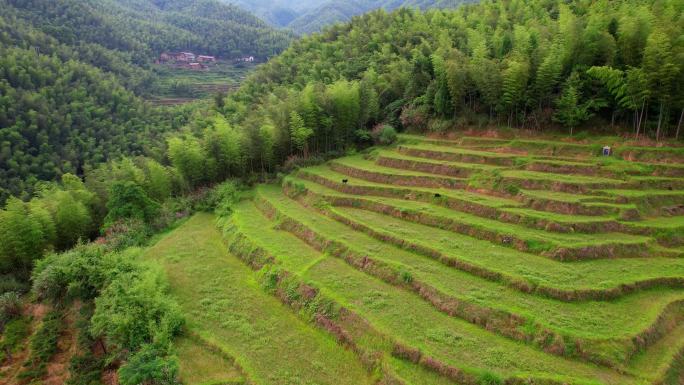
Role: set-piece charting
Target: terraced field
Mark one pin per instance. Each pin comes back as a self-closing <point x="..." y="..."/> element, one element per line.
<point x="470" y="261"/>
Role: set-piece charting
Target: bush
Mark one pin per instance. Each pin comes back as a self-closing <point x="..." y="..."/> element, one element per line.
<point x="151" y="365"/>
<point x="384" y="134"/>
<point x="126" y="233"/>
<point x="134" y="309"/>
<point x="10" y="308"/>
<point x="13" y="336"/>
<point x="78" y="274"/>
<point x="223" y="197"/>
<point x="128" y="200"/>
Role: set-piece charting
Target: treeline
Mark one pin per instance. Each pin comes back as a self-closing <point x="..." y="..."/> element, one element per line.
<point x="531" y="64"/>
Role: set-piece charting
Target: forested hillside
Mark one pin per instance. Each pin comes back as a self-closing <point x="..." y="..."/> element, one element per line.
<point x="72" y="71"/>
<point x="148" y="27"/>
<point x="541" y="65"/>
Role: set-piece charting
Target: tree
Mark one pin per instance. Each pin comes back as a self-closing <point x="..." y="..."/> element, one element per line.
<point x="128" y="200"/>
<point x="570" y="111"/>
<point x="514" y="85"/>
<point x="22" y="237"/>
<point x="72" y="220"/>
<point x="660" y="71"/>
<point x="299" y="133"/>
<point x="548" y="73"/>
<point x="189" y="159"/>
<point x="628" y="88"/>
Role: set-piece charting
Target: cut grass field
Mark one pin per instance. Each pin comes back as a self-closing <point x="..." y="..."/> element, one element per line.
<point x="470" y="261"/>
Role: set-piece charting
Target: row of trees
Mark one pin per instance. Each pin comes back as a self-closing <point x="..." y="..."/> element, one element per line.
<point x="292" y="125"/>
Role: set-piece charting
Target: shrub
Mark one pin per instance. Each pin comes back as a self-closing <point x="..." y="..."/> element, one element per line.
<point x="223" y="197"/>
<point x="10" y="308"/>
<point x="488" y="378"/>
<point x="384" y="134"/>
<point x="128" y="200"/>
<point x="77" y="274"/>
<point x="14" y="333"/>
<point x="151" y="365"/>
<point x="134" y="308"/>
<point x="126" y="233"/>
<point x="440" y="126"/>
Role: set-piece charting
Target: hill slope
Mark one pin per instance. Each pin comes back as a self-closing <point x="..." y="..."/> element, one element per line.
<point x="72" y="71"/>
<point x="430" y="272"/>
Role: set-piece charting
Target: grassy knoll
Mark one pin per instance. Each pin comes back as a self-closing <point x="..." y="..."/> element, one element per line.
<point x="404" y="316"/>
<point x="226" y="306"/>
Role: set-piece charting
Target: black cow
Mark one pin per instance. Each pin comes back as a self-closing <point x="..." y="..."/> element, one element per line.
<point x="345" y="181"/>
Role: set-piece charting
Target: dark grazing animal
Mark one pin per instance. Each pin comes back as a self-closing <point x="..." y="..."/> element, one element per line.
<point x="437" y="195"/>
<point x="345" y="181"/>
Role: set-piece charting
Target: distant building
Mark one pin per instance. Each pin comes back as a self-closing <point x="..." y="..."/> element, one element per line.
<point x="246" y="59"/>
<point x="186" y="56"/>
<point x="196" y="66"/>
<point x="206" y="59"/>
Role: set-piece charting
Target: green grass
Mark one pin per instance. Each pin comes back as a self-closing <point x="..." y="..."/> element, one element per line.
<point x="592" y="319"/>
<point x="456" y="165"/>
<point x="405" y="316"/>
<point x="200" y="365"/>
<point x="486" y="200"/>
<point x="460" y="151"/>
<point x="561" y="240"/>
<point x="472" y="271"/>
<point x="564" y="178"/>
<point x="225" y="305"/>
<point x="594" y="274"/>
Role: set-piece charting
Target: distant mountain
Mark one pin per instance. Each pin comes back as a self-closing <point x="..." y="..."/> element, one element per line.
<point x="278" y="13"/>
<point x="335" y="11"/>
<point x="306" y="16"/>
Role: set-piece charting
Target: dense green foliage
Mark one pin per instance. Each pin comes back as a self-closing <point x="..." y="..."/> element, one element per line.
<point x="133" y="314"/>
<point x="524" y="64"/>
<point x="145" y="28"/>
<point x="72" y="71"/>
<point x="307" y="16"/>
